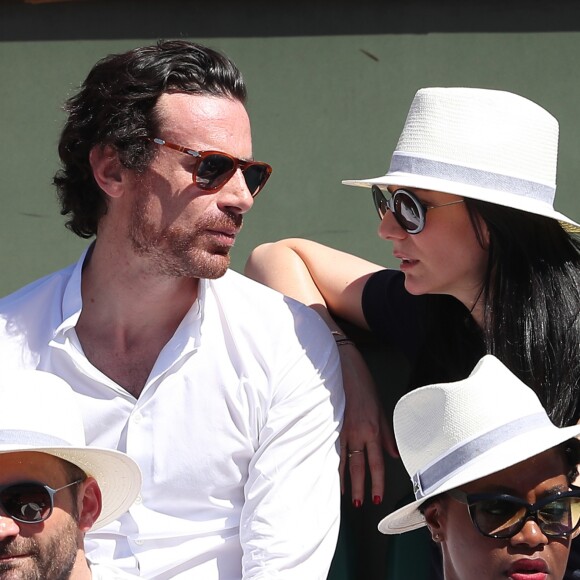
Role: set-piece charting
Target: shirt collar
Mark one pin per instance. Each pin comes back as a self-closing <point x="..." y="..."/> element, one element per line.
<point x="72" y="301"/>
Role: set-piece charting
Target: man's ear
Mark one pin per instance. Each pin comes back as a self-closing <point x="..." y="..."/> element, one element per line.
<point x="90" y="503"/>
<point x="435" y="517"/>
<point x="107" y="169"/>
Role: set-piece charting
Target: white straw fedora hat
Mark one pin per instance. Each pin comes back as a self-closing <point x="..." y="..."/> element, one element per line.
<point x="454" y="433"/>
<point x="483" y="144"/>
<point x="40" y="413"/>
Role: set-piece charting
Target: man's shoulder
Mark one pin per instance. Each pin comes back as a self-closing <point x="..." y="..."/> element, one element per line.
<point x="244" y="292"/>
<point x="282" y="334"/>
<point x="44" y="289"/>
<point x="29" y="317"/>
<point x="264" y="311"/>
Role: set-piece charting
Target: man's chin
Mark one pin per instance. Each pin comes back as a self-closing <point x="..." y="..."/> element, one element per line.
<point x="18" y="569"/>
<point x="215" y="271"/>
<point x="210" y="264"/>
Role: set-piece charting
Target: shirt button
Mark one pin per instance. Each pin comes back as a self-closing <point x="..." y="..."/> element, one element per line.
<point x="137" y="418"/>
<point x="139" y="499"/>
<point x="139" y="542"/>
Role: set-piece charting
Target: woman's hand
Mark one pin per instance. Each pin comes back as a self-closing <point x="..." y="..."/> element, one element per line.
<point x="365" y="432"/>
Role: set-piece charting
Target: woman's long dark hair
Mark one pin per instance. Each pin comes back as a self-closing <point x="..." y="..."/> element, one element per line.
<point x="531" y="299"/>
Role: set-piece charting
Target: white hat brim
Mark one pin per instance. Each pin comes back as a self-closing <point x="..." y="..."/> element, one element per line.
<point x="500" y="457"/>
<point x="498" y="197"/>
<point x="118" y="476"/>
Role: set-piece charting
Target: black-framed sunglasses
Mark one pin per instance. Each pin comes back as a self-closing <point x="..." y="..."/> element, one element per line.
<point x="408" y="210"/>
<point x="213" y="169"/>
<point x="502" y="516"/>
<point x="29" y="502"/>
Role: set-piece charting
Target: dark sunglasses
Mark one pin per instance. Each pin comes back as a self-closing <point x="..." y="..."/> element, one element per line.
<point x="29" y="502"/>
<point x="408" y="210"/>
<point x="503" y="516"/>
<point x="213" y="169"/>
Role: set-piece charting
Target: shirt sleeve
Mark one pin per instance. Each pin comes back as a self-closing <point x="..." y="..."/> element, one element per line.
<point x="290" y="519"/>
<point x="392" y="313"/>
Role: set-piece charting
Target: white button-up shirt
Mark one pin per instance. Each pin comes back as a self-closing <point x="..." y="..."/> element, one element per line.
<point x="235" y="431"/>
<point x="102" y="572"/>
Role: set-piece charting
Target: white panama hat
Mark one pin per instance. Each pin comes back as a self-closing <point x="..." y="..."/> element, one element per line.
<point x="40" y="413"/>
<point x="451" y="434"/>
<point x="483" y="144"/>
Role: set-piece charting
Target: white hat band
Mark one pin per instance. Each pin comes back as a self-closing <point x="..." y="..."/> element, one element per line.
<point x="30" y="438"/>
<point x="431" y="477"/>
<point x="404" y="163"/>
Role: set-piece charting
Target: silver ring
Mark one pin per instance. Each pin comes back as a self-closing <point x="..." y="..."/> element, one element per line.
<point x="353" y="451"/>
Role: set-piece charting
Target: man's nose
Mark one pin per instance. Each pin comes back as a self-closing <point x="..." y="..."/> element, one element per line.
<point x="235" y="196"/>
<point x="8" y="527"/>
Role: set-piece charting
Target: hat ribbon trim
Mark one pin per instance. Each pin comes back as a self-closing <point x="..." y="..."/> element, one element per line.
<point x="30" y="439"/>
<point x="403" y="163"/>
<point x="427" y="480"/>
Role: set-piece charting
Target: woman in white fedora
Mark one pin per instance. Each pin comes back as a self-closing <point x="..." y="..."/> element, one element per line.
<point x="487" y="265"/>
<point x="492" y="477"/>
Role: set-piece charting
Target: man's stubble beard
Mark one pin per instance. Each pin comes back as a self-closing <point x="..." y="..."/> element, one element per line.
<point x="53" y="560"/>
<point x="177" y="252"/>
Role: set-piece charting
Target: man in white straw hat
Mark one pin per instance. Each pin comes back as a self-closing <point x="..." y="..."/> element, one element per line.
<point x="54" y="489"/>
<point x="492" y="477"/>
<point x="487" y="265"/>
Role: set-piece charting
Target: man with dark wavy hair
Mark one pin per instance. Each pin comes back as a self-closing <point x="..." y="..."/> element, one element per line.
<point x="226" y="393"/>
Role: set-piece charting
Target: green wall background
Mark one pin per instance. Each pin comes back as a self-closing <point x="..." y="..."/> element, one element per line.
<point x="327" y="100"/>
<point x="330" y="84"/>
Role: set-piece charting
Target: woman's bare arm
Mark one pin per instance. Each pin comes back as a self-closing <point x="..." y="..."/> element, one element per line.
<point x="315" y="275"/>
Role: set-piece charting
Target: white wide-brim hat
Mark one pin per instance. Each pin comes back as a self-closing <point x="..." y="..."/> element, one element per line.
<point x="451" y="434"/>
<point x="482" y="144"/>
<point x="40" y="413"/>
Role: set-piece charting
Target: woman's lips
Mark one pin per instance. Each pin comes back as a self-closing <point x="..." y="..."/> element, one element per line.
<point x="407" y="264"/>
<point x="527" y="569"/>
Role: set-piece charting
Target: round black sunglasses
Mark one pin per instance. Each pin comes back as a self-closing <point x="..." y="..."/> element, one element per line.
<point x="29" y="502"/>
<point x="408" y="210"/>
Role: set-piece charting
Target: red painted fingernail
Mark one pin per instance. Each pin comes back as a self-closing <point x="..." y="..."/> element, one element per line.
<point x="356" y="503"/>
<point x="377" y="499"/>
